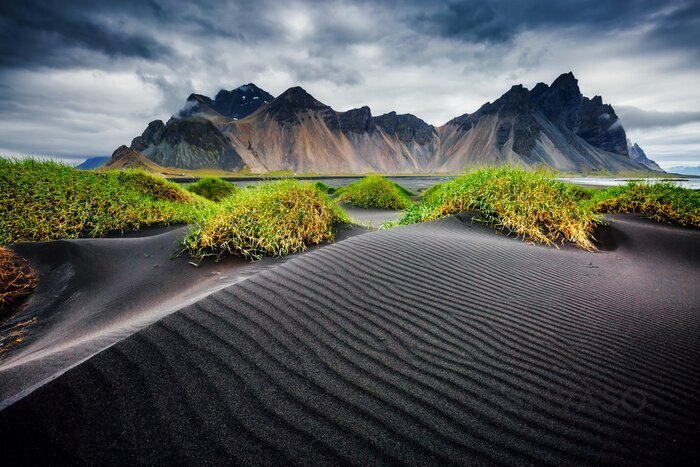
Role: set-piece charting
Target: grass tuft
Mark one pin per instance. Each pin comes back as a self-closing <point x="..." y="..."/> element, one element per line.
<point x="375" y="192"/>
<point x="44" y="200"/>
<point x="17" y="280"/>
<point x="212" y="188"/>
<point x="530" y="204"/>
<point x="275" y="219"/>
<point x="661" y="201"/>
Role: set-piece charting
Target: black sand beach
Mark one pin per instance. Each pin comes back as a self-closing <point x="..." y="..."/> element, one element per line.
<point x="432" y="343"/>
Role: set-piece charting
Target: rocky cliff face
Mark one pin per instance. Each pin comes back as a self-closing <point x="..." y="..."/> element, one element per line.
<point x="152" y="134"/>
<point x="548" y="125"/>
<point x="637" y="154"/>
<point x="187" y="142"/>
<point x="357" y="121"/>
<point x="407" y="128"/>
<point x="553" y="125"/>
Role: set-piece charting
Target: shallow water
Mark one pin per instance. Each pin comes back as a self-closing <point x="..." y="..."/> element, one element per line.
<point x="692" y="183"/>
<point x="414" y="184"/>
<point x="417" y="184"/>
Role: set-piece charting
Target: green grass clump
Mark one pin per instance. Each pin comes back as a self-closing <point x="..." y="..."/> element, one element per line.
<point x="529" y="204"/>
<point x="661" y="201"/>
<point x="43" y="200"/>
<point x="212" y="188"/>
<point x="324" y="188"/>
<point x="276" y="219"/>
<point x="375" y="192"/>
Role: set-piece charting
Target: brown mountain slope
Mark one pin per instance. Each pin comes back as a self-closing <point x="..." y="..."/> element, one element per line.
<point x="296" y="132"/>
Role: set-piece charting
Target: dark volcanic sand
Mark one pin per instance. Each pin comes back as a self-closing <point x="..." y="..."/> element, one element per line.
<point x="95" y="292"/>
<point x="433" y="343"/>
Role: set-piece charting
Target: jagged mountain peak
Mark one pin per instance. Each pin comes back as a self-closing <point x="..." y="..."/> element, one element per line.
<point x="288" y="106"/>
<point x="298" y="97"/>
<point x="407" y="127"/>
<point x="247" y="88"/>
<point x="236" y="103"/>
<point x="567" y="77"/>
<point x="516" y="99"/>
<point x="356" y="120"/>
<point x="637" y="154"/>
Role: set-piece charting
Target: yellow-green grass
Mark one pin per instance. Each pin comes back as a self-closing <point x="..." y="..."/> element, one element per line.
<point x="660" y="201"/>
<point x="529" y="204"/>
<point x="43" y="200"/>
<point x="274" y="219"/>
<point x="375" y="192"/>
<point x="212" y="188"/>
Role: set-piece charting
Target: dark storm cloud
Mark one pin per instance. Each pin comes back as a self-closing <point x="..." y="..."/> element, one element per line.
<point x="633" y="118"/>
<point x="679" y="28"/>
<point x="66" y="33"/>
<point x="674" y="23"/>
<point x="52" y="33"/>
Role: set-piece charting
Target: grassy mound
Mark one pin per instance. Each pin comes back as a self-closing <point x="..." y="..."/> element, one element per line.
<point x="529" y="204"/>
<point x="212" y="188"/>
<point x="47" y="201"/>
<point x="375" y="192"/>
<point x="16" y="280"/>
<point x="662" y="201"/>
<point x="276" y="219"/>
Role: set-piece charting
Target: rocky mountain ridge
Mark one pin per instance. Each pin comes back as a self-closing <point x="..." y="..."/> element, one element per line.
<point x="551" y="125"/>
<point x="637" y="154"/>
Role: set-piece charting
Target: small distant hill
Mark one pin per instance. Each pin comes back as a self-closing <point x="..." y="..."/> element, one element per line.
<point x="685" y="170"/>
<point x="127" y="158"/>
<point x="93" y="163"/>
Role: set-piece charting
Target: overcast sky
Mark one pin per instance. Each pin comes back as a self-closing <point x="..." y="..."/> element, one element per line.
<point x="79" y="78"/>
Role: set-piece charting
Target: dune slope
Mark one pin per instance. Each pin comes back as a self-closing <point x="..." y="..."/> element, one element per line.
<point x="94" y="292"/>
<point x="439" y="342"/>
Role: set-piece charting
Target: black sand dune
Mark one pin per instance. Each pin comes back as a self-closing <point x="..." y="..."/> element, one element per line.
<point x="434" y="343"/>
<point x="95" y="292"/>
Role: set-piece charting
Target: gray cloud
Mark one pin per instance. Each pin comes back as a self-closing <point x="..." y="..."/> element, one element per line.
<point x="89" y="74"/>
<point x="633" y="117"/>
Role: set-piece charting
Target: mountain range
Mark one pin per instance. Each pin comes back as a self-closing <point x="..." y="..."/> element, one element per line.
<point x="247" y="128"/>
